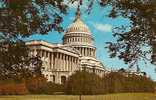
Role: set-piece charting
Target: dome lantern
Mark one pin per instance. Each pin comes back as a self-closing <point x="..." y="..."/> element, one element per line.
<point x="78" y="14"/>
<point x="78" y="25"/>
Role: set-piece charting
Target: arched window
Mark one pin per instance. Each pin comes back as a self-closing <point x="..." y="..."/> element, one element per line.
<point x="53" y="78"/>
<point x="63" y="79"/>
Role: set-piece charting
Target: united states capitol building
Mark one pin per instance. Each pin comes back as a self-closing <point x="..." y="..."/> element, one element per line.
<point x="77" y="52"/>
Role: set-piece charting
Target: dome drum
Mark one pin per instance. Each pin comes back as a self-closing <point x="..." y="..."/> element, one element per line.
<point x="78" y="40"/>
<point x="77" y="34"/>
<point x="79" y="29"/>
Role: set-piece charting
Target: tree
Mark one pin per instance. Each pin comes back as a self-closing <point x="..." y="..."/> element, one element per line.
<point x="27" y="17"/>
<point x="36" y="85"/>
<point x="117" y="82"/>
<point x="137" y="40"/>
<point x="84" y="83"/>
<point x="133" y="40"/>
<point x="20" y="19"/>
<point x="15" y="62"/>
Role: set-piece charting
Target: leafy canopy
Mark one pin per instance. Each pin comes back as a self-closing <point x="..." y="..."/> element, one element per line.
<point x="136" y="41"/>
<point x="26" y="17"/>
<point x="19" y="19"/>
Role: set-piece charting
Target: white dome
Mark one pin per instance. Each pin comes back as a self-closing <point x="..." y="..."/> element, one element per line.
<point x="78" y="26"/>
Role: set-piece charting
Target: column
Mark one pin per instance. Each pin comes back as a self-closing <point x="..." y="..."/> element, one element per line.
<point x="56" y="59"/>
<point x="83" y="51"/>
<point x="48" y="60"/>
<point x="74" y="61"/>
<point x="92" y="52"/>
<point x="64" y="62"/>
<point x="89" y="51"/>
<point x="75" y="64"/>
<point x="52" y="60"/>
<point x="67" y="62"/>
<point x="44" y="54"/>
<point x="62" y="58"/>
<point x="60" y="61"/>
<point x="40" y="53"/>
<point x="62" y="67"/>
<point x="70" y="63"/>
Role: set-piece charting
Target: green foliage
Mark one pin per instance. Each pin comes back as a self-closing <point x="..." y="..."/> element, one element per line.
<point x="134" y="41"/>
<point x="27" y="17"/>
<point x="11" y="87"/>
<point x="84" y="83"/>
<point x="36" y="85"/>
<point x="39" y="85"/>
<point x="81" y="83"/>
<point x="53" y="88"/>
<point x="15" y="63"/>
<point x="20" y="19"/>
<point x="114" y="82"/>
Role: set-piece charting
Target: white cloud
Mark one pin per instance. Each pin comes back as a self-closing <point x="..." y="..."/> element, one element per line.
<point x="75" y="4"/>
<point x="103" y="27"/>
<point x="71" y="5"/>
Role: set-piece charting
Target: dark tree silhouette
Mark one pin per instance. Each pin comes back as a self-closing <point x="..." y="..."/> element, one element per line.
<point x="137" y="40"/>
<point x="134" y="42"/>
<point x="26" y="17"/>
<point x="15" y="62"/>
<point x="20" y="19"/>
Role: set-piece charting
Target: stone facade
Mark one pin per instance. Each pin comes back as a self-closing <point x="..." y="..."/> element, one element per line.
<point x="76" y="53"/>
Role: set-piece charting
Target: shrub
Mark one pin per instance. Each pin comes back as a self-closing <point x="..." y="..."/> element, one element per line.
<point x="36" y="85"/>
<point x="83" y="82"/>
<point x="13" y="88"/>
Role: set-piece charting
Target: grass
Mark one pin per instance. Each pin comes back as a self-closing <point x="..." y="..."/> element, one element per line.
<point x="121" y="96"/>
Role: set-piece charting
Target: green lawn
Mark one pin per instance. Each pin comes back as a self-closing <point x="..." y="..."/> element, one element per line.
<point x="122" y="96"/>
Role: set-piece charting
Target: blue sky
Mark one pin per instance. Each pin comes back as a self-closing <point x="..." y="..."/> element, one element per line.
<point x="101" y="27"/>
